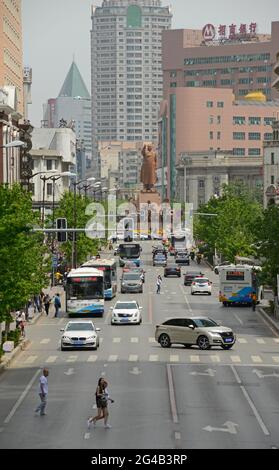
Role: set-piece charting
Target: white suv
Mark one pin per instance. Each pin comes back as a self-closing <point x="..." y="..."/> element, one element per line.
<point x="126" y="312"/>
<point x="200" y="331"/>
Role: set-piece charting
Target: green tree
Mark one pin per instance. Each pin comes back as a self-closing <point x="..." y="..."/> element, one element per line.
<point x="23" y="256"/>
<point x="232" y="230"/>
<point x="85" y="245"/>
<point x="268" y="241"/>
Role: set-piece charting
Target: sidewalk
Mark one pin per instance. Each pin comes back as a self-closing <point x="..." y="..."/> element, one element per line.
<point x="7" y="358"/>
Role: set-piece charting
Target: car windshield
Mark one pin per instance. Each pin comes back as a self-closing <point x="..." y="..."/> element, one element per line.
<point x="172" y="266"/>
<point x="125" y="305"/>
<point x="160" y="256"/>
<point x="131" y="277"/>
<point x="205" y="322"/>
<point x="202" y="280"/>
<point x="80" y="327"/>
<point x="192" y="274"/>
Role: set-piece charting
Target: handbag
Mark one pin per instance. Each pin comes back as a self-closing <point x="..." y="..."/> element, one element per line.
<point x="103" y="400"/>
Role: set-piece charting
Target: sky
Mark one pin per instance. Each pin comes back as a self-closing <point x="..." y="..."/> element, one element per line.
<point x="55" y="31"/>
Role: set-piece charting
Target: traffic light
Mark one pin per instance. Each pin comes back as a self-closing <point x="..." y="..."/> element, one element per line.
<point x="61" y="236"/>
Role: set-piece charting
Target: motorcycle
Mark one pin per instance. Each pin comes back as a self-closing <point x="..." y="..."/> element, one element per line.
<point x="199" y="257"/>
<point x="192" y="255"/>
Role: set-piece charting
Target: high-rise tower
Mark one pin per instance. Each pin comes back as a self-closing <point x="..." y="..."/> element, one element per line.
<point x="126" y="64"/>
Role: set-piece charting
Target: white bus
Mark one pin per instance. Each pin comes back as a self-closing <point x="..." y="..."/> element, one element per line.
<point x="237" y="284"/>
<point x="85" y="292"/>
<point x="108" y="266"/>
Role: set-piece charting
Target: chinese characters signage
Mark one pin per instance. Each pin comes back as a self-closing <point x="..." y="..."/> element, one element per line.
<point x="228" y="32"/>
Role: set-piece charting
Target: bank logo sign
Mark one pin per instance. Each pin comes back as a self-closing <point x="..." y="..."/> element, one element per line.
<point x="208" y="32"/>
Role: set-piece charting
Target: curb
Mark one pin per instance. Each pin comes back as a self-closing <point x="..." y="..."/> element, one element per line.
<point x="9" y="357"/>
<point x="269" y="320"/>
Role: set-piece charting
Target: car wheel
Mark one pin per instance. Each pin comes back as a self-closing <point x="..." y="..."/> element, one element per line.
<point x="192" y="293"/>
<point x="62" y="349"/>
<point x="225" y="304"/>
<point x="203" y="342"/>
<point x="179" y="275"/>
<point x="226" y="346"/>
<point x="216" y="271"/>
<point x="209" y="293"/>
<point x="141" y="291"/>
<point x="164" y="341"/>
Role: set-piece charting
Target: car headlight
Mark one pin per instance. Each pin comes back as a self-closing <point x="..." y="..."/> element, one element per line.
<point x="213" y="333"/>
<point x="92" y="338"/>
<point x="66" y="337"/>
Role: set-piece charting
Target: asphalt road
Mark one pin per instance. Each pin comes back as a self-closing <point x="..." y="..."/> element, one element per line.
<point x="164" y="398"/>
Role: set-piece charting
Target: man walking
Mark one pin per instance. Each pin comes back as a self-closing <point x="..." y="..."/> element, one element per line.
<point x="57" y="304"/>
<point x="47" y="301"/>
<point x="159" y="282"/>
<point x="43" y="393"/>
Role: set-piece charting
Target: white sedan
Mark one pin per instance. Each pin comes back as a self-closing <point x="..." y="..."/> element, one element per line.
<point x="126" y="313"/>
<point x="80" y="334"/>
<point x="201" y="285"/>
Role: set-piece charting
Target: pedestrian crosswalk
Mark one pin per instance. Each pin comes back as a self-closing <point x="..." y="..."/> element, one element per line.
<point x="151" y="340"/>
<point x="163" y="357"/>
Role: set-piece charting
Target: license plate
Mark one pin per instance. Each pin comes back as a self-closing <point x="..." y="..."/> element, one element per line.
<point x="228" y="340"/>
<point x="79" y="343"/>
<point x="125" y="320"/>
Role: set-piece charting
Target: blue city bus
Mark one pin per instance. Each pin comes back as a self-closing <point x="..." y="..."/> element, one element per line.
<point x="108" y="267"/>
<point x="129" y="252"/>
<point x="85" y="292"/>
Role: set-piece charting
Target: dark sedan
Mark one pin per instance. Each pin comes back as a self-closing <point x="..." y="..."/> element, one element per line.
<point x="190" y="276"/>
<point x="172" y="270"/>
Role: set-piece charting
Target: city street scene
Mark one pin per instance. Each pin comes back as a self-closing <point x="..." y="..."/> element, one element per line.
<point x="139" y="227"/>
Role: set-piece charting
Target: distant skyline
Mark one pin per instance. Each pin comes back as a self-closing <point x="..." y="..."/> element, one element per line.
<point x="57" y="30"/>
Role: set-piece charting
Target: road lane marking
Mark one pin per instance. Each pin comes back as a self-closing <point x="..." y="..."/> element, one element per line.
<point x="45" y="341"/>
<point x="242" y="340"/>
<point x="260" y="340"/>
<point x="134" y="340"/>
<point x="275" y="359"/>
<point x="256" y="359"/>
<point x="72" y="359"/>
<point x="150" y="310"/>
<point x="174" y="358"/>
<point x="112" y="358"/>
<point x="235" y="359"/>
<point x="92" y="358"/>
<point x="172" y="394"/>
<point x="177" y="436"/>
<point x="195" y="358"/>
<point x="254" y="409"/>
<point x="186" y="299"/>
<point x="30" y="359"/>
<point x="133" y="358"/>
<point x="116" y="340"/>
<point x="276" y="340"/>
<point x="87" y="435"/>
<point x="153" y="357"/>
<point x="22" y="396"/>
<point x="238" y="319"/>
<point x="51" y="359"/>
<point x="215" y="358"/>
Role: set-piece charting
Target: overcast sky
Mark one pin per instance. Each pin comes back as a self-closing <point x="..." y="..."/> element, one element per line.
<point x="55" y="30"/>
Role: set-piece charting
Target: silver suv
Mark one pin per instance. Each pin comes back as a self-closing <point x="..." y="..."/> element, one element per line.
<point x="201" y="331"/>
<point x="131" y="282"/>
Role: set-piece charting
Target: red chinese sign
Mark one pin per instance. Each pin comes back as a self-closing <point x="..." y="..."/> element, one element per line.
<point x="229" y="32"/>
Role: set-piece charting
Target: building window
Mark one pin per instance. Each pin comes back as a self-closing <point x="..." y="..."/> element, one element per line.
<point x="32" y="188"/>
<point x="218" y="119"/>
<point x="272" y="179"/>
<point x="201" y="183"/>
<point x="211" y="119"/>
<point x="254" y="136"/>
<point x="272" y="158"/>
<point x="268" y="136"/>
<point x="218" y="135"/>
<point x="49" y="165"/>
<point x="211" y="135"/>
<point x="220" y="104"/>
<point x="239" y="120"/>
<point x="255" y="121"/>
<point x="49" y="189"/>
<point x="173" y="85"/>
<point x="209" y="104"/>
<point x="239" y="136"/>
<point x="254" y="152"/>
<point x="239" y="151"/>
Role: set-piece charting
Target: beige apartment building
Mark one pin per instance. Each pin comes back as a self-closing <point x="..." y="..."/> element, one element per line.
<point x="11" y="55"/>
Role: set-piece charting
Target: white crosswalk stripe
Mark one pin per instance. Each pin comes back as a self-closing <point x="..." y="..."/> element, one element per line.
<point x="235" y="359"/>
<point x="112" y="358"/>
<point x="72" y="359"/>
<point x="153" y="357"/>
<point x="51" y="359"/>
<point x="276" y="340"/>
<point x="215" y="358"/>
<point x="30" y="359"/>
<point x="174" y="358"/>
<point x="195" y="358"/>
<point x="133" y="358"/>
<point x="256" y="359"/>
<point x="260" y="340"/>
<point x="116" y="340"/>
<point x="242" y="340"/>
<point x="275" y="359"/>
<point x="152" y="340"/>
<point x="45" y="341"/>
<point x="92" y="358"/>
<point x="134" y="340"/>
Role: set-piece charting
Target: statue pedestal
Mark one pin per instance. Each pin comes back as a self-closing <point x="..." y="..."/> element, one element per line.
<point x="149" y="197"/>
